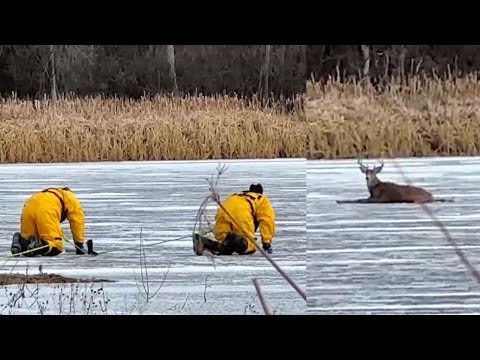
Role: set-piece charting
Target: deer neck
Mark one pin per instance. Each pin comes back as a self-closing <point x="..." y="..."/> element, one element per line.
<point x="373" y="184"/>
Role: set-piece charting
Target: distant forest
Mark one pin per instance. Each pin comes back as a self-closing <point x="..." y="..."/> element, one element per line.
<point x="270" y="71"/>
<point x="382" y="62"/>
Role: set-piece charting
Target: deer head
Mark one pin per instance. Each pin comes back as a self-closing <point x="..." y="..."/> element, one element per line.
<point x="371" y="174"/>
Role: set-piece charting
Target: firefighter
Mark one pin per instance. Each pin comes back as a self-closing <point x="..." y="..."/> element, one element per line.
<point x="251" y="209"/>
<point x="40" y="224"/>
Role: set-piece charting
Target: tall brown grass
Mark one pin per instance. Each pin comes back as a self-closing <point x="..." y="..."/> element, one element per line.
<point x="418" y="118"/>
<point x="165" y="128"/>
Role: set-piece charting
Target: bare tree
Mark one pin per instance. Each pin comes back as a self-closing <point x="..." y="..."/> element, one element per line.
<point x="152" y="54"/>
<point x="401" y="62"/>
<point x="265" y="73"/>
<point x="133" y="69"/>
<point x="171" y="63"/>
<point x="282" y="52"/>
<point x="366" y="59"/>
<point x="53" y="78"/>
<point x="268" y="49"/>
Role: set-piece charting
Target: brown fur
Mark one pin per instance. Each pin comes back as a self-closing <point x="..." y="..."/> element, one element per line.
<point x="388" y="192"/>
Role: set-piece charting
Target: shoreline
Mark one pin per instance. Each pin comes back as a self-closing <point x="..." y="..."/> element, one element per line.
<point x="159" y="162"/>
<point x="425" y="158"/>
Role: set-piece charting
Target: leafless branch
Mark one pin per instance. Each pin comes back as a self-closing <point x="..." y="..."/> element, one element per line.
<point x="473" y="271"/>
<point x="144" y="279"/>
<point x="266" y="309"/>
<point x="205" y="289"/>
<point x="185" y="302"/>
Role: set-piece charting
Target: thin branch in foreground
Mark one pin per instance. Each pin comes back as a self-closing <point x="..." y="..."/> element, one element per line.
<point x="185" y="302"/>
<point x="266" y="309"/>
<point x="473" y="271"/>
<point x="200" y="213"/>
<point x="205" y="289"/>
<point x="145" y="281"/>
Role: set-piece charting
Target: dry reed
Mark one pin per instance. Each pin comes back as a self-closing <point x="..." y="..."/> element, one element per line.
<point x="419" y="118"/>
<point x="164" y="128"/>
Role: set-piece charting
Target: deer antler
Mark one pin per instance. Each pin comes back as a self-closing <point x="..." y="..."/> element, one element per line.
<point x="381" y="163"/>
<point x="379" y="168"/>
<point x="363" y="167"/>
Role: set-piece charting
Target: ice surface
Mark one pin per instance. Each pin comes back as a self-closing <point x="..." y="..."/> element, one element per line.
<point x="372" y="258"/>
<point x="161" y="199"/>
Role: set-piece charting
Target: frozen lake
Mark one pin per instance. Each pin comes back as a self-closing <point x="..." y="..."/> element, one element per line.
<point x="386" y="259"/>
<point x="161" y="200"/>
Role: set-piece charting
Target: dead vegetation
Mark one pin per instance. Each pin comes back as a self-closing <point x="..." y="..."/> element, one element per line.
<point x="23" y="292"/>
<point x="420" y="117"/>
<point x="71" y="299"/>
<point x="164" y="128"/>
<point x="10" y="279"/>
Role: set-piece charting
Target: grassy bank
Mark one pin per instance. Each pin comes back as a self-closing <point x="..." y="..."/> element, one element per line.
<point x="421" y="118"/>
<point x="96" y="129"/>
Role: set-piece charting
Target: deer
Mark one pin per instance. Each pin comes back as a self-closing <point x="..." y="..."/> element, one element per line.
<point x="389" y="192"/>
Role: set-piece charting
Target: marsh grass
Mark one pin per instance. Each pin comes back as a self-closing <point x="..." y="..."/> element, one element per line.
<point x="162" y="128"/>
<point x="422" y="117"/>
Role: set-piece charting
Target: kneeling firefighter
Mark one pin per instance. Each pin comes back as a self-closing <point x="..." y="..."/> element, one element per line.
<point x="40" y="224"/>
<point x="250" y="209"/>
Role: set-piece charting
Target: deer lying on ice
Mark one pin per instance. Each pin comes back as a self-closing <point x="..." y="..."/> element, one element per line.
<point x="388" y="192"/>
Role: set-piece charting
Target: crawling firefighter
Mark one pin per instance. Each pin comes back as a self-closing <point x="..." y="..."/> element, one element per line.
<point x="250" y="209"/>
<point x="40" y="224"/>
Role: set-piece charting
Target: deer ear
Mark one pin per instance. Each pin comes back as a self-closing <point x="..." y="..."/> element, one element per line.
<point x="363" y="170"/>
<point x="378" y="170"/>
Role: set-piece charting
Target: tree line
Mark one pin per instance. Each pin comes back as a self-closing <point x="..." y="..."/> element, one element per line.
<point x="382" y="62"/>
<point x="269" y="71"/>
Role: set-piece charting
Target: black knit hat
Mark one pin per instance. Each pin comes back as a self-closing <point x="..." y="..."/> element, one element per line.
<point x="258" y="188"/>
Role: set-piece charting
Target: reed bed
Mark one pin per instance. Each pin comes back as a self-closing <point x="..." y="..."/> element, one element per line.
<point x="419" y="117"/>
<point x="162" y="128"/>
